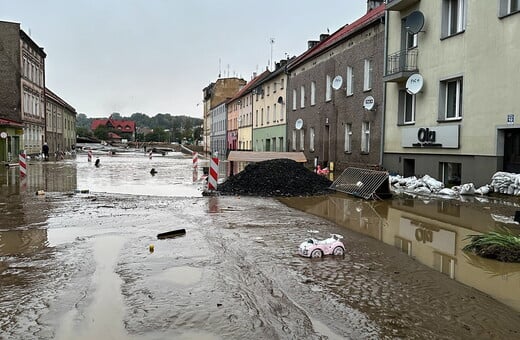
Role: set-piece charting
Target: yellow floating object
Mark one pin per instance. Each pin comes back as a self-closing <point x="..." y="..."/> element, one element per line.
<point x="152" y="248"/>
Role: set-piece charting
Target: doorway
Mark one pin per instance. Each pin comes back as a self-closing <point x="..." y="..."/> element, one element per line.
<point x="512" y="150"/>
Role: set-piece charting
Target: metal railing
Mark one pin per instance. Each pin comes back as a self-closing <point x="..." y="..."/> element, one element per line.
<point x="365" y="183"/>
<point x="402" y="61"/>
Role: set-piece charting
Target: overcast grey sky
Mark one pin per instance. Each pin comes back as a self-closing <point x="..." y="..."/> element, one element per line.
<point x="156" y="56"/>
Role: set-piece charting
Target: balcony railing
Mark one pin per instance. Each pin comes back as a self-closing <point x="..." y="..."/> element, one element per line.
<point x="404" y="61"/>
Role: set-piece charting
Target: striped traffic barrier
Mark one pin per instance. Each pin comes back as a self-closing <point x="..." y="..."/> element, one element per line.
<point x="213" y="174"/>
<point x="150" y="154"/>
<point x="89" y="155"/>
<point x="23" y="164"/>
<point x="195" y="160"/>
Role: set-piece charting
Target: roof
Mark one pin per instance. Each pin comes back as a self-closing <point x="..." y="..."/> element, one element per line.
<point x="252" y="156"/>
<point x="112" y="135"/>
<point x="341" y="34"/>
<point x="122" y="125"/>
<point x="249" y="86"/>
<point x="7" y="122"/>
<point x="58" y="100"/>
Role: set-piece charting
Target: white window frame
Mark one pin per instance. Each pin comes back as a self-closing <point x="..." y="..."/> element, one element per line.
<point x="454" y="17"/>
<point x="367" y="79"/>
<point x="313" y="93"/>
<point x="311" y="139"/>
<point x="268" y="114"/>
<point x="508" y="7"/>
<point x="365" y="137"/>
<point x="293" y="144"/>
<point x="302" y="96"/>
<point x="328" y="88"/>
<point x="348" y="138"/>
<point x="409" y="98"/>
<point x="446" y="85"/>
<point x="294" y="94"/>
<point x="302" y="140"/>
<point x="350" y="81"/>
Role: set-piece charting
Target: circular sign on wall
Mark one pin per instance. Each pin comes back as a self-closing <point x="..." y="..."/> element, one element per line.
<point x="3" y="134"/>
<point x="369" y="103"/>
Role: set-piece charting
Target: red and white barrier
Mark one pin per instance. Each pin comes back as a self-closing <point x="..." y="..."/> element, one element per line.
<point x="150" y="154"/>
<point x="89" y="155"/>
<point x="195" y="160"/>
<point x="23" y="164"/>
<point x="213" y="174"/>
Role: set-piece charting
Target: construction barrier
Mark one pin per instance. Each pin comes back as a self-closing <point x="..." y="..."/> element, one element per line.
<point x="89" y="155"/>
<point x="150" y="154"/>
<point x="195" y="160"/>
<point x="213" y="174"/>
<point x="23" y="164"/>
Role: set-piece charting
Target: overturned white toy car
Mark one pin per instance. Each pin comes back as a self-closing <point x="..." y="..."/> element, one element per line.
<point x="317" y="248"/>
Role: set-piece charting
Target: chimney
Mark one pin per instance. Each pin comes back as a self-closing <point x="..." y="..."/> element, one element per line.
<point x="373" y="4"/>
<point x="254" y="75"/>
<point x="312" y="43"/>
<point x="324" y="36"/>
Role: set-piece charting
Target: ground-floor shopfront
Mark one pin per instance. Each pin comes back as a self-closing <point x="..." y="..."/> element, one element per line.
<point x="11" y="135"/>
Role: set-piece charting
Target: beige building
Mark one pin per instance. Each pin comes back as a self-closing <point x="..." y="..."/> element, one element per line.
<point x="269" y="113"/>
<point x="451" y="89"/>
<point x="60" y="123"/>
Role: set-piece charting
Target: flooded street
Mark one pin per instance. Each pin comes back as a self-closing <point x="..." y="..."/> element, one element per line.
<point x="83" y="261"/>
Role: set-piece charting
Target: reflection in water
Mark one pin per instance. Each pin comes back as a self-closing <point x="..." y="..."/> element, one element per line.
<point x="432" y="232"/>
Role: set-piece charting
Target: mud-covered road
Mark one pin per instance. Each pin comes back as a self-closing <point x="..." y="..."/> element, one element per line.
<point x="79" y="266"/>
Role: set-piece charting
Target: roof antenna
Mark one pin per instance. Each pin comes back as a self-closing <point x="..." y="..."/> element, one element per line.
<point x="219" y="67"/>
<point x="271" y="41"/>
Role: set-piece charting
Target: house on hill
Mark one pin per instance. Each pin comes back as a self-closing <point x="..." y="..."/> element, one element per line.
<point x="121" y="128"/>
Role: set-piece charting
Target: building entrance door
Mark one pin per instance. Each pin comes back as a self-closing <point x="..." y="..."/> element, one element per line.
<point x="512" y="150"/>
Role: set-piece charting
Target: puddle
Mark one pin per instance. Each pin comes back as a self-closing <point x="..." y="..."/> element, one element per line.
<point x="432" y="232"/>
<point x="182" y="276"/>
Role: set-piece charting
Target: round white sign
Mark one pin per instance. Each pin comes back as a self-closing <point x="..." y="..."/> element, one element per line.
<point x="414" y="83"/>
<point x="3" y="134"/>
<point x="369" y="103"/>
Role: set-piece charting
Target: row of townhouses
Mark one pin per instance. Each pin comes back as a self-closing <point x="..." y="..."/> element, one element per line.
<point x="30" y="113"/>
<point x="415" y="87"/>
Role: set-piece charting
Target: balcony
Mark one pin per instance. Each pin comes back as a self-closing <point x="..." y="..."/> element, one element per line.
<point x="399" y="5"/>
<point x="401" y="65"/>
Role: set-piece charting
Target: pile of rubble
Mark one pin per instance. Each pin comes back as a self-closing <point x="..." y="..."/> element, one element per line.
<point x="278" y="177"/>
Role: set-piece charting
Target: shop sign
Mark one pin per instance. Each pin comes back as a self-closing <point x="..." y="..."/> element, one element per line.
<point x="445" y="137"/>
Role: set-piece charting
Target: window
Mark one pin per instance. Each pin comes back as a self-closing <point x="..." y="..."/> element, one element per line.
<point x="406" y="107"/>
<point x="508" y="6"/>
<point x="367" y="82"/>
<point x="451" y="99"/>
<point x="453" y="17"/>
<point x="262" y="117"/>
<point x="350" y="81"/>
<point x="274" y="113"/>
<point x="311" y="139"/>
<point x="365" y="137"/>
<point x="274" y="87"/>
<point x="294" y="94"/>
<point x="268" y="89"/>
<point x="348" y="137"/>
<point x="256" y="118"/>
<point x="302" y="96"/>
<point x="268" y="114"/>
<point x="294" y="140"/>
<point x="302" y="140"/>
<point x="328" y="89"/>
<point x="313" y="93"/>
<point x="281" y="83"/>
<point x="451" y="173"/>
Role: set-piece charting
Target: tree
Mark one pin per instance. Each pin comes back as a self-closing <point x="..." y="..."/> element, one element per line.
<point x="101" y="132"/>
<point x="83" y="132"/>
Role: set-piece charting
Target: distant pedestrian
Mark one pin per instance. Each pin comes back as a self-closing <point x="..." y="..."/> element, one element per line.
<point x="97" y="163"/>
<point x="45" y="151"/>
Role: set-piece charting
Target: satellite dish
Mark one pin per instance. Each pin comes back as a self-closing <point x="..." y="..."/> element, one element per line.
<point x="299" y="124"/>
<point x="414" y="22"/>
<point x="369" y="103"/>
<point x="280" y="100"/>
<point x="337" y="82"/>
<point x="414" y="84"/>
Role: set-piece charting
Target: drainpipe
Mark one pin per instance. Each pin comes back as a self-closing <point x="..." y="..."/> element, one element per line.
<point x="383" y="114"/>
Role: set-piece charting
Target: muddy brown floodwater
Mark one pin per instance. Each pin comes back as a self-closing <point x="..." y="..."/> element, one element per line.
<point x="79" y="265"/>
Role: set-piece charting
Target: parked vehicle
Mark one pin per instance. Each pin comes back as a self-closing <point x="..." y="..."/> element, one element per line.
<point x="317" y="248"/>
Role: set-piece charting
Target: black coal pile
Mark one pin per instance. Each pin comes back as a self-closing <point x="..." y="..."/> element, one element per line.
<point x="277" y="177"/>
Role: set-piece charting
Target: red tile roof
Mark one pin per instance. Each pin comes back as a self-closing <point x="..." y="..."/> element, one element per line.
<point x="122" y="125"/>
<point x="340" y="34"/>
<point x="7" y="122"/>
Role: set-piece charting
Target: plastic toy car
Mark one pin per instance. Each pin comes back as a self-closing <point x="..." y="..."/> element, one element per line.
<point x="317" y="248"/>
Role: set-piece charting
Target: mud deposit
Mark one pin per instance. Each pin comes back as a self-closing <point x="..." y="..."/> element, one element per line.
<point x="234" y="275"/>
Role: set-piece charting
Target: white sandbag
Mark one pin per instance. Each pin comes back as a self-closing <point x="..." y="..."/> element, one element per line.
<point x="483" y="190"/>
<point x="467" y="189"/>
<point x="432" y="183"/>
<point x="447" y="192"/>
<point x="422" y="190"/>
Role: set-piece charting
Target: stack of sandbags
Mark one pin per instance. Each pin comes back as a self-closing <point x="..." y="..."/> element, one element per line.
<point x="506" y="183"/>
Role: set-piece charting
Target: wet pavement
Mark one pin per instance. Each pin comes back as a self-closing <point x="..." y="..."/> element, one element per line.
<point x="80" y="266"/>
